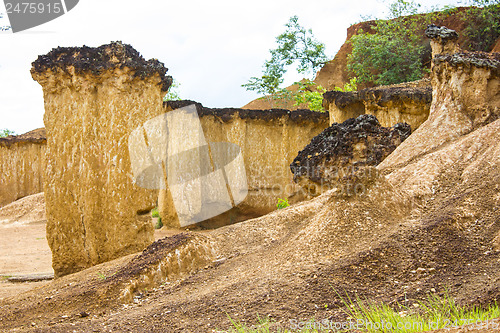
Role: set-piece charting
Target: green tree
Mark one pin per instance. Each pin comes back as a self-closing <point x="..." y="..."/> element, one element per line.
<point x="394" y="53"/>
<point x="269" y="83"/>
<point x="352" y="85"/>
<point x="296" y="45"/>
<point x="6" y="132"/>
<point x="309" y="94"/>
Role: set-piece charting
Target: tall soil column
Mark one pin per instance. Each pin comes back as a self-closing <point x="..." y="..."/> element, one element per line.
<point x="94" y="98"/>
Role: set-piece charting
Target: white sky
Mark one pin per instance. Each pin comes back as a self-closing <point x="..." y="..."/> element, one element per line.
<point x="210" y="47"/>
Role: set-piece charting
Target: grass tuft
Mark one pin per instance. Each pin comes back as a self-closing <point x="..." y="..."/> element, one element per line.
<point x="436" y="312"/>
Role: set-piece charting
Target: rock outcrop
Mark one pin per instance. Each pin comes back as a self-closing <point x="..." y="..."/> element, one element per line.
<point x="406" y="102"/>
<point x="269" y="140"/>
<point x="21" y="165"/>
<point x="443" y="40"/>
<point x="335" y="74"/>
<point x="466" y="97"/>
<point x="343" y="153"/>
<point x="94" y="98"/>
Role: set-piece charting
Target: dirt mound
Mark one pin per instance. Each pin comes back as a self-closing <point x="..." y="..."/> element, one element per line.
<point x="25" y="210"/>
<point x="384" y="246"/>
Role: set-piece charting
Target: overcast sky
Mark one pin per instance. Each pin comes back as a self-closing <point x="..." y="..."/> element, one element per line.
<point x="210" y="47"/>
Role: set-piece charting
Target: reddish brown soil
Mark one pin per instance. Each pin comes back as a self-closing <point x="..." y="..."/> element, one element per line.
<point x="407" y="262"/>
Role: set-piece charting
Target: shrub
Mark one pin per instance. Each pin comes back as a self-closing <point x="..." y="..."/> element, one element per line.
<point x="155" y="212"/>
<point x="6" y="132"/>
<point x="483" y="24"/>
<point x="282" y="203"/>
<point x="309" y="94"/>
<point x="352" y="85"/>
<point x="394" y="53"/>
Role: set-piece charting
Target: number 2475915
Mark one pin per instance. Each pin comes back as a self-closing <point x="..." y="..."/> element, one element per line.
<point x="33" y="7"/>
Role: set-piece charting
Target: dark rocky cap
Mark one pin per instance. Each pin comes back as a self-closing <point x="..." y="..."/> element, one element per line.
<point x="433" y="32"/>
<point x="227" y="114"/>
<point x="381" y="94"/>
<point x="96" y="60"/>
<point x="487" y="60"/>
<point x="337" y="142"/>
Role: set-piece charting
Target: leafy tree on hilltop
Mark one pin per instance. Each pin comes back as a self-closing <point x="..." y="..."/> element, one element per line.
<point x="483" y="28"/>
<point x="295" y="46"/>
<point x="394" y="53"/>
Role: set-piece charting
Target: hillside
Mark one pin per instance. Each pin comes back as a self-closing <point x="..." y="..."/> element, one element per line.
<point x="334" y="73"/>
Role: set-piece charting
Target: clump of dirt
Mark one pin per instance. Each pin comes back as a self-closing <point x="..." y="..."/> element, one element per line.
<point x="487" y="60"/>
<point x="444" y="33"/>
<point x="151" y="256"/>
<point x="343" y="149"/>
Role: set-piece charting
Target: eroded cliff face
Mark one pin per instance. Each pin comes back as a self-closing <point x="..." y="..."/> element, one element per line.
<point x="466" y="97"/>
<point x="94" y="98"/>
<point x="269" y="140"/>
<point x="407" y="102"/>
<point x="21" y="165"/>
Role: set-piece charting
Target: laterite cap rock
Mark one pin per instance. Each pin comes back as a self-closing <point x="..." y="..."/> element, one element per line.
<point x="96" y="60"/>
